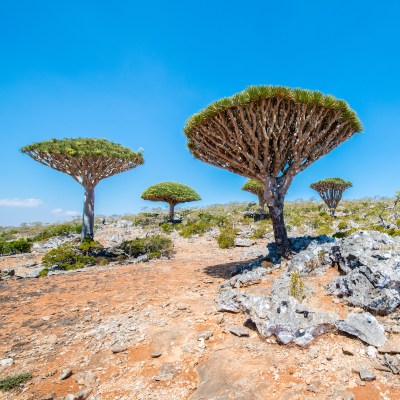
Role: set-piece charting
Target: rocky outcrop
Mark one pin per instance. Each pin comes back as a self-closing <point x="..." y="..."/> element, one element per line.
<point x="370" y="263"/>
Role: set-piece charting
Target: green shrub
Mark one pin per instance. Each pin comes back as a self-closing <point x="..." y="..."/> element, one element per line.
<point x="342" y="225"/>
<point x="167" y="227"/>
<point x="261" y="229"/>
<point x="226" y="238"/>
<point x="66" y="257"/>
<point x="57" y="230"/>
<point x="15" y="247"/>
<point x="44" y="272"/>
<point x="90" y="247"/>
<point x="154" y="246"/>
<point x="296" y="286"/>
<point x="12" y="382"/>
<point x="195" y="228"/>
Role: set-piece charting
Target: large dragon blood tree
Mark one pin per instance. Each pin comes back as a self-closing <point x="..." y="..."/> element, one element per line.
<point x="270" y="134"/>
<point x="172" y="193"/>
<point x="255" y="187"/>
<point x="88" y="161"/>
<point x="331" y="191"/>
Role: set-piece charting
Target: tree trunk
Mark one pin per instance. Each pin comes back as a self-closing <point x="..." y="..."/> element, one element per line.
<point x="274" y="195"/>
<point x="278" y="223"/>
<point x="88" y="214"/>
<point x="332" y="212"/>
<point x="171" y="212"/>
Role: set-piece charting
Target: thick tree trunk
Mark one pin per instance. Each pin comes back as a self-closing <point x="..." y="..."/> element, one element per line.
<point x="332" y="212"/>
<point x="88" y="215"/>
<point x="280" y="233"/>
<point x="171" y="212"/>
<point x="274" y="197"/>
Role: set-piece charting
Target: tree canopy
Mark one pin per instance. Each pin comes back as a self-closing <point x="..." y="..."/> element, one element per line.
<point x="270" y="134"/>
<point x="328" y="183"/>
<point x="170" y="192"/>
<point x="254" y="186"/>
<point x="87" y="160"/>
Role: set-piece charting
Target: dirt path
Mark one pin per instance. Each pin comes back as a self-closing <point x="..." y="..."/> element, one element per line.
<point x="106" y="324"/>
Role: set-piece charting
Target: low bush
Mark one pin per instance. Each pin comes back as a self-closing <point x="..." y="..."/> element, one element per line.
<point x="195" y="228"/>
<point x="15" y="247"/>
<point x="13" y="381"/>
<point x="261" y="229"/>
<point x="296" y="286"/>
<point x="154" y="246"/>
<point x="57" y="230"/>
<point x="226" y="238"/>
<point x="342" y="225"/>
<point x="66" y="257"/>
<point x="167" y="227"/>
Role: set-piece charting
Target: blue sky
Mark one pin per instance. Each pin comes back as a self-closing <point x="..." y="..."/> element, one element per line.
<point x="133" y="72"/>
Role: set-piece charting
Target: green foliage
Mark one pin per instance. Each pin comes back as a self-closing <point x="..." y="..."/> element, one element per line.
<point x="296" y="286"/>
<point x="89" y="247"/>
<point x="331" y="182"/>
<point x="57" y="230"/>
<point x="253" y="186"/>
<point x="167" y="227"/>
<point x="44" y="272"/>
<point x="195" y="228"/>
<point x="84" y="147"/>
<point x="255" y="93"/>
<point x="226" y="238"/>
<point x="154" y="246"/>
<point x="66" y="257"/>
<point x="8" y="235"/>
<point x="12" y="382"/>
<point x="170" y="192"/>
<point x="342" y="225"/>
<point x="15" y="247"/>
<point x="261" y="229"/>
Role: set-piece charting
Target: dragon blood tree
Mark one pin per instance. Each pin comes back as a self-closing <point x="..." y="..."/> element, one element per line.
<point x="88" y="161"/>
<point x="270" y="134"/>
<point x="172" y="193"/>
<point x="331" y="191"/>
<point x="255" y="187"/>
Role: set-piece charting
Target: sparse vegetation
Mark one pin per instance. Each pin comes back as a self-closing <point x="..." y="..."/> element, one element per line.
<point x="15" y="247"/>
<point x="226" y="238"/>
<point x="57" y="230"/>
<point x="13" y="381"/>
<point x="66" y="257"/>
<point x="296" y="285"/>
<point x="155" y="246"/>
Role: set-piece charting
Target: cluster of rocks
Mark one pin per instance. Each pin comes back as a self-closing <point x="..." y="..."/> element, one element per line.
<point x="370" y="266"/>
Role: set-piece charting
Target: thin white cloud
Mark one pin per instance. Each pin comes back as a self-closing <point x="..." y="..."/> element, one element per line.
<point x="20" y="202"/>
<point x="65" y="213"/>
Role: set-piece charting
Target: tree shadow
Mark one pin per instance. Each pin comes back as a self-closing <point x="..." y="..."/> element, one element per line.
<point x="227" y="270"/>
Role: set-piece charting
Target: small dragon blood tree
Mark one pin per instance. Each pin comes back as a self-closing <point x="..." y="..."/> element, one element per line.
<point x="172" y="193"/>
<point x="88" y="161"/>
<point x="270" y="134"/>
<point x="255" y="187"/>
<point x="331" y="191"/>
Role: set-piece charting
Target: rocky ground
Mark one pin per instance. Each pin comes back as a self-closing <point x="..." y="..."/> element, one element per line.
<point x="155" y="331"/>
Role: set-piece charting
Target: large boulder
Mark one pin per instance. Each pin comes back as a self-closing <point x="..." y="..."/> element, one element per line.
<point x="370" y="263"/>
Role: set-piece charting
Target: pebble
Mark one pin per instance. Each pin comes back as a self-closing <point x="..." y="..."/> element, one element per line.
<point x="156" y="354"/>
<point x="348" y="350"/>
<point x="118" y="349"/>
<point x="238" y="331"/>
<point x="65" y="374"/>
<point x="367" y="375"/>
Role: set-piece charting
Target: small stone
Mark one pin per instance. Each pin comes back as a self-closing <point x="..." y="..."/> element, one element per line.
<point x="238" y="331"/>
<point x="164" y="377"/>
<point x="392" y="346"/>
<point x="182" y="307"/>
<point x="244" y="242"/>
<point x="6" y="362"/>
<point x="348" y="396"/>
<point x="49" y="396"/>
<point x="367" y="375"/>
<point x="86" y="378"/>
<point x="205" y="335"/>
<point x="156" y="354"/>
<point x="83" y="394"/>
<point x="313" y="353"/>
<point x="65" y="374"/>
<point x="371" y="351"/>
<point x="118" y="349"/>
<point x="348" y="350"/>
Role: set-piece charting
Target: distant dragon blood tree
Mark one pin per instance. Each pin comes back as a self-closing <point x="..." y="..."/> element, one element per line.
<point x="88" y="161"/>
<point x="255" y="187"/>
<point x="331" y="191"/>
<point x="270" y="134"/>
<point x="172" y="193"/>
